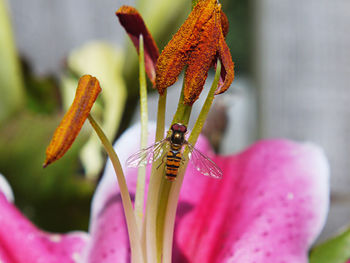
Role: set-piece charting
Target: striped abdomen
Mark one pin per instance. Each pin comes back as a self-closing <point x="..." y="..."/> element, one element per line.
<point x="172" y="164"/>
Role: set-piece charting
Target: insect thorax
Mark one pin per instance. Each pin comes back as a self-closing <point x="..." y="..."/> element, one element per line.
<point x="177" y="138"/>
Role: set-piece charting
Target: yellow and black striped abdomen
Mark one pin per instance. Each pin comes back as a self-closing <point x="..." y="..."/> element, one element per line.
<point x="172" y="164"/>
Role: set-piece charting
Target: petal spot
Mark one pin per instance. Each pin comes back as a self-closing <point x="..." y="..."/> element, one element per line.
<point x="265" y="234"/>
<point x="76" y="257"/>
<point x="55" y="238"/>
<point x="290" y="196"/>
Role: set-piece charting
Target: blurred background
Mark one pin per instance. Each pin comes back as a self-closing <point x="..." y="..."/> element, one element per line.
<point x="292" y="70"/>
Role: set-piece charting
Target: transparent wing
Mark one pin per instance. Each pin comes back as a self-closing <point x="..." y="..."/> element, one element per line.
<point x="147" y="155"/>
<point x="203" y="164"/>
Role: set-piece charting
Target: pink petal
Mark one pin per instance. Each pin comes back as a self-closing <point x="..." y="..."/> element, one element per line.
<point x="21" y="241"/>
<point x="4" y="257"/>
<point x="269" y="207"/>
<point x="109" y="239"/>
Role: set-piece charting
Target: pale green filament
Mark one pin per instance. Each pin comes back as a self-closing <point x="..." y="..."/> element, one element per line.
<point x="153" y="188"/>
<point x="134" y="236"/>
<point x="141" y="178"/>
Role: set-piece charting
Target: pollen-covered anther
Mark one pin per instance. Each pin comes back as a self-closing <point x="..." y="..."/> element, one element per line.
<point x="198" y="42"/>
<point x="70" y="126"/>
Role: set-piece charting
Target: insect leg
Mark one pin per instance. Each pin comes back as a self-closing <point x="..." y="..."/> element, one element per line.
<point x="163" y="157"/>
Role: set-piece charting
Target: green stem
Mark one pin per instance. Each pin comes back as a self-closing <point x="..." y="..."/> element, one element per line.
<point x="175" y="189"/>
<point x="153" y="188"/>
<point x="134" y="237"/>
<point x="141" y="178"/>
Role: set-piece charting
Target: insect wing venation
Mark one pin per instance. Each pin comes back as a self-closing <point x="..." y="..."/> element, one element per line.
<point x="203" y="164"/>
<point x="147" y="155"/>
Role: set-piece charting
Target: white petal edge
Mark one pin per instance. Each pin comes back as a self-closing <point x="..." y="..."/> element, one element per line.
<point x="320" y="165"/>
<point x="5" y="188"/>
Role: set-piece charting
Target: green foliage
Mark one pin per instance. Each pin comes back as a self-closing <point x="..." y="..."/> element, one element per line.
<point x="56" y="198"/>
<point x="42" y="95"/>
<point x="239" y="37"/>
<point x="335" y="250"/>
<point x="11" y="84"/>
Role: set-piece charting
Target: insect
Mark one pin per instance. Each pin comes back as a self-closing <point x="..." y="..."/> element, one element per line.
<point x="170" y="150"/>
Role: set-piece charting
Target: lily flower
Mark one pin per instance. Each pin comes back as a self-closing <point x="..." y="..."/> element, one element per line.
<point x="274" y="195"/>
<point x="269" y="207"/>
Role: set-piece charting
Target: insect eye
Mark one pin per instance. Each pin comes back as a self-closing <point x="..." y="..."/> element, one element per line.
<point x="175" y="127"/>
<point x="179" y="127"/>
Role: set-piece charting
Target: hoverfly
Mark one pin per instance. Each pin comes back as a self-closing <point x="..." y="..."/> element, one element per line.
<point x="170" y="150"/>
